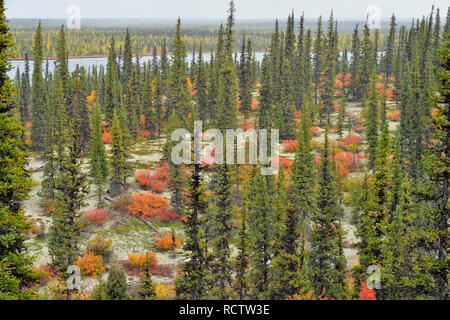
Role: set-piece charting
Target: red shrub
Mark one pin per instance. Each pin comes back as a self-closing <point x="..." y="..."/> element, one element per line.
<point x="290" y="145"/>
<point x="351" y="139"/>
<point x="156" y="181"/>
<point x="162" y="270"/>
<point x="96" y="216"/>
<point x="366" y="293"/>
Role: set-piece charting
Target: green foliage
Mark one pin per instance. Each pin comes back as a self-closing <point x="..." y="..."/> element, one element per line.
<point x="116" y="285"/>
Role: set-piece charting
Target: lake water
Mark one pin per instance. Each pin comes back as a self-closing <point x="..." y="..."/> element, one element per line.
<point x="90" y="62"/>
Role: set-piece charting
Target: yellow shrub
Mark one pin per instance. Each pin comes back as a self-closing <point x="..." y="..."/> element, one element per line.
<point x="165" y="291"/>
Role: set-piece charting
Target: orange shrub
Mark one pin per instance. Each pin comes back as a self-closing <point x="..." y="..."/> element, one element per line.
<point x="90" y="264"/>
<point x="148" y="206"/>
<point x="138" y="260"/>
<point x="96" y="216"/>
<point x="165" y="242"/>
<point x="290" y="145"/>
<point x="254" y="105"/>
<point x="393" y="116"/>
<point x="106" y="136"/>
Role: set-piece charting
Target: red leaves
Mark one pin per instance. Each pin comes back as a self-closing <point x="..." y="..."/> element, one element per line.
<point x="351" y="140"/>
<point x="96" y="216"/>
<point x="290" y="145"/>
<point x="156" y="181"/>
<point x="366" y="293"/>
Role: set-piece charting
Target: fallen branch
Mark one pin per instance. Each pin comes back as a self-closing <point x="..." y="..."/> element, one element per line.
<point x="139" y="218"/>
<point x="149" y="225"/>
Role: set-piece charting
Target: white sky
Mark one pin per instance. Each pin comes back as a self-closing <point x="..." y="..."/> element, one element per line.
<point x="216" y="9"/>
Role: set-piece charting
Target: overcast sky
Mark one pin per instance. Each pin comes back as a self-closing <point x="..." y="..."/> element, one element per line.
<point x="216" y="9"/>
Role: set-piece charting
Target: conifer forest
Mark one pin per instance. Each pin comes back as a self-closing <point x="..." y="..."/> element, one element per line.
<point x="95" y="203"/>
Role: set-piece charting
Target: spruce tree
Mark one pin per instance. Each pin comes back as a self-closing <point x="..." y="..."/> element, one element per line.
<point x="119" y="154"/>
<point x="222" y="228"/>
<point x="325" y="253"/>
<point x="260" y="223"/>
<point x="98" y="159"/>
<point x="194" y="280"/>
<point x="16" y="275"/>
<point x="116" y="285"/>
<point x="227" y="90"/>
<point x="38" y="93"/>
<point x="71" y="190"/>
<point x="372" y="121"/>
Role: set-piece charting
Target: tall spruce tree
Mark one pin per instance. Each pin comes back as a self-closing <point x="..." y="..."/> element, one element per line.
<point x="16" y="275"/>
<point x="98" y="158"/>
<point x="194" y="281"/>
<point x="325" y="252"/>
<point x="38" y="93"/>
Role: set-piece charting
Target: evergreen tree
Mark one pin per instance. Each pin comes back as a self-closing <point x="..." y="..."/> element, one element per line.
<point x="116" y="285"/>
<point x="260" y="222"/>
<point x="127" y="64"/>
<point x="194" y="280"/>
<point x="325" y="247"/>
<point x="178" y="94"/>
<point x="390" y="47"/>
<point x="119" y="154"/>
<point x="71" y="190"/>
<point x="372" y="121"/>
<point x="227" y="90"/>
<point x="112" y="96"/>
<point x="241" y="284"/>
<point x="38" y="93"/>
<point x="16" y="275"/>
<point x="436" y="165"/>
<point x="147" y="287"/>
<point x="222" y="227"/>
<point x="98" y="158"/>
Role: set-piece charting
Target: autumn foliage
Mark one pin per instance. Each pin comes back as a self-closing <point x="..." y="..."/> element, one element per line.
<point x="290" y="145"/>
<point x="96" y="216"/>
<point x="393" y="116"/>
<point x="90" y="264"/>
<point x="106" y="136"/>
<point x="138" y="260"/>
<point x="150" y="206"/>
<point x="156" y="181"/>
<point x="366" y="293"/>
<point x="166" y="242"/>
